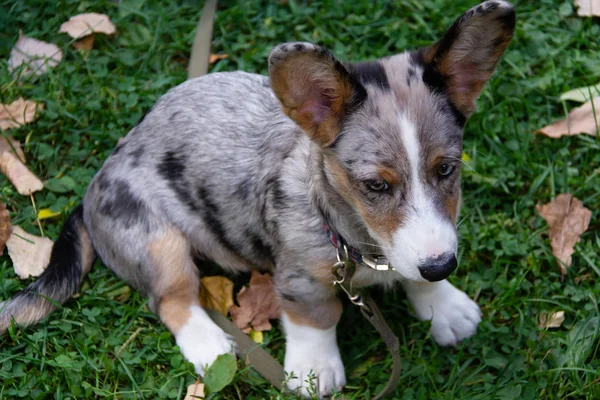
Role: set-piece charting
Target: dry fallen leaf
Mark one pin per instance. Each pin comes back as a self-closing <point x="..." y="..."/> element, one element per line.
<point x="17" y="113"/>
<point x="30" y="254"/>
<point x="257" y="304"/>
<point x="216" y="293"/>
<point x="5" y="227"/>
<point x="85" y="44"/>
<point x="552" y="320"/>
<point x="216" y="57"/>
<point x="588" y="8"/>
<point x="36" y="55"/>
<point x="580" y="120"/>
<point x="21" y="177"/>
<point x="568" y="219"/>
<point x="12" y="146"/>
<point x="83" y="25"/>
<point x="195" y="391"/>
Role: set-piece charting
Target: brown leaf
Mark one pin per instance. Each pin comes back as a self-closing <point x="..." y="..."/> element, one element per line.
<point x="257" y="304"/>
<point x="568" y="219"/>
<point x="21" y="177"/>
<point x="195" y="391"/>
<point x="17" y="113"/>
<point x="36" y="55"/>
<point x="30" y="254"/>
<point x="85" y="44"/>
<point x="5" y="227"/>
<point x="86" y="24"/>
<point x="580" y="120"/>
<point x="588" y="8"/>
<point x="216" y="293"/>
<point x="8" y="144"/>
<point x="216" y="57"/>
<point x="552" y="320"/>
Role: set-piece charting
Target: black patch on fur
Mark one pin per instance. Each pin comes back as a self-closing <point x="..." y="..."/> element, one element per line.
<point x="172" y="169"/>
<point x="370" y="72"/>
<point x="118" y="148"/>
<point x="262" y="250"/>
<point x="243" y="188"/>
<point x="288" y="297"/>
<point x="298" y="47"/>
<point x="209" y="212"/>
<point x="173" y="117"/>
<point x="280" y="199"/>
<point x="437" y="83"/>
<point x="135" y="155"/>
<point x="125" y="207"/>
<point x="62" y="278"/>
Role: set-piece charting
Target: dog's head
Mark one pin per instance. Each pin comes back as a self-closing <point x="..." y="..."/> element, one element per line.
<point x="391" y="131"/>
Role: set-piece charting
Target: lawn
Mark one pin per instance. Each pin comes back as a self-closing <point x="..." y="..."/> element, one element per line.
<point x="91" y="100"/>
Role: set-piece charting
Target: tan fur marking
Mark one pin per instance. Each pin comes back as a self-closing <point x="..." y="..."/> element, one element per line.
<point x="304" y="77"/>
<point x="323" y="271"/>
<point x="342" y="180"/>
<point x="388" y="174"/>
<point x="86" y="249"/>
<point x="322" y="315"/>
<point x="176" y="284"/>
<point x="383" y="224"/>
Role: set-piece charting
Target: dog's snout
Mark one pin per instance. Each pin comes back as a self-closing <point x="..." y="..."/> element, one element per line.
<point x="438" y="268"/>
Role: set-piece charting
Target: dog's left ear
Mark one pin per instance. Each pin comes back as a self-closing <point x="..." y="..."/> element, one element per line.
<point x="466" y="57"/>
<point x="314" y="88"/>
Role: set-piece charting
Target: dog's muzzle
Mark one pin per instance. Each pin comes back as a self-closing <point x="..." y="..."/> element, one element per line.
<point x="436" y="269"/>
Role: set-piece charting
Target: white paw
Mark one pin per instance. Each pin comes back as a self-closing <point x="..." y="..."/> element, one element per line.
<point x="312" y="353"/>
<point x="201" y="341"/>
<point x="454" y="316"/>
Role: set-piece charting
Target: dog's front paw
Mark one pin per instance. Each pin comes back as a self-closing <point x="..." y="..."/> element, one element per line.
<point x="454" y="316"/>
<point x="201" y="341"/>
<point x="314" y="372"/>
<point x="312" y="353"/>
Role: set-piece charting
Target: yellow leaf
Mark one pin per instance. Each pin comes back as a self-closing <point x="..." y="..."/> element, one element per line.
<point x="465" y="157"/>
<point x="257" y="336"/>
<point x="46" y="213"/>
<point x="216" y="292"/>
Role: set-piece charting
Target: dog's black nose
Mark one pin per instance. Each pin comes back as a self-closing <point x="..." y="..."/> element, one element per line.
<point x="436" y="269"/>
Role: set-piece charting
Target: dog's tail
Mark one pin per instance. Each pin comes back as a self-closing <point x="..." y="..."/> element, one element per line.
<point x="72" y="258"/>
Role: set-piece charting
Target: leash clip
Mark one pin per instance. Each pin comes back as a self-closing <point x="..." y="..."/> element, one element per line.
<point x="343" y="270"/>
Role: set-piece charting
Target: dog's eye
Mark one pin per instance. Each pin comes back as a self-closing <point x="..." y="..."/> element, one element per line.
<point x="444" y="169"/>
<point x="377" y="185"/>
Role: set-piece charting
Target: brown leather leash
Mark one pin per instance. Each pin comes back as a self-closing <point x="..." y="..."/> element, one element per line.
<point x="249" y="351"/>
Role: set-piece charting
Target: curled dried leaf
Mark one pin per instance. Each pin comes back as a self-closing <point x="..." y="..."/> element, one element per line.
<point x="216" y="293"/>
<point x="258" y="304"/>
<point x="87" y="24"/>
<point x="568" y="219"/>
<point x="21" y="177"/>
<point x="588" y="8"/>
<point x="5" y="227"/>
<point x="17" y="113"/>
<point x="12" y="146"/>
<point x="583" y="119"/>
<point x="30" y="254"/>
<point x="551" y="320"/>
<point x="36" y="56"/>
<point x="213" y="58"/>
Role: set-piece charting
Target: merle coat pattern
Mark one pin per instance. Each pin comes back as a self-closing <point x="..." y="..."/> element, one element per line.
<point x="244" y="169"/>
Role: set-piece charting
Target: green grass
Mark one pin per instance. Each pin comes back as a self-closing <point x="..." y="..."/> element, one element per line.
<point x="506" y="260"/>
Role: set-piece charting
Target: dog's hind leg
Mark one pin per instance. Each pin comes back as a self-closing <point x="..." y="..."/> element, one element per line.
<point x="174" y="297"/>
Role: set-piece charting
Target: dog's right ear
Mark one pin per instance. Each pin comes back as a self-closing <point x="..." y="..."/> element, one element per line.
<point x="314" y="88"/>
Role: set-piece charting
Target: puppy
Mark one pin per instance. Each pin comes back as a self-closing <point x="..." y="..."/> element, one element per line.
<point x="244" y="170"/>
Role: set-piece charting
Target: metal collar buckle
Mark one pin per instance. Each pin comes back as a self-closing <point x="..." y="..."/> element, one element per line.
<point x="378" y="263"/>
